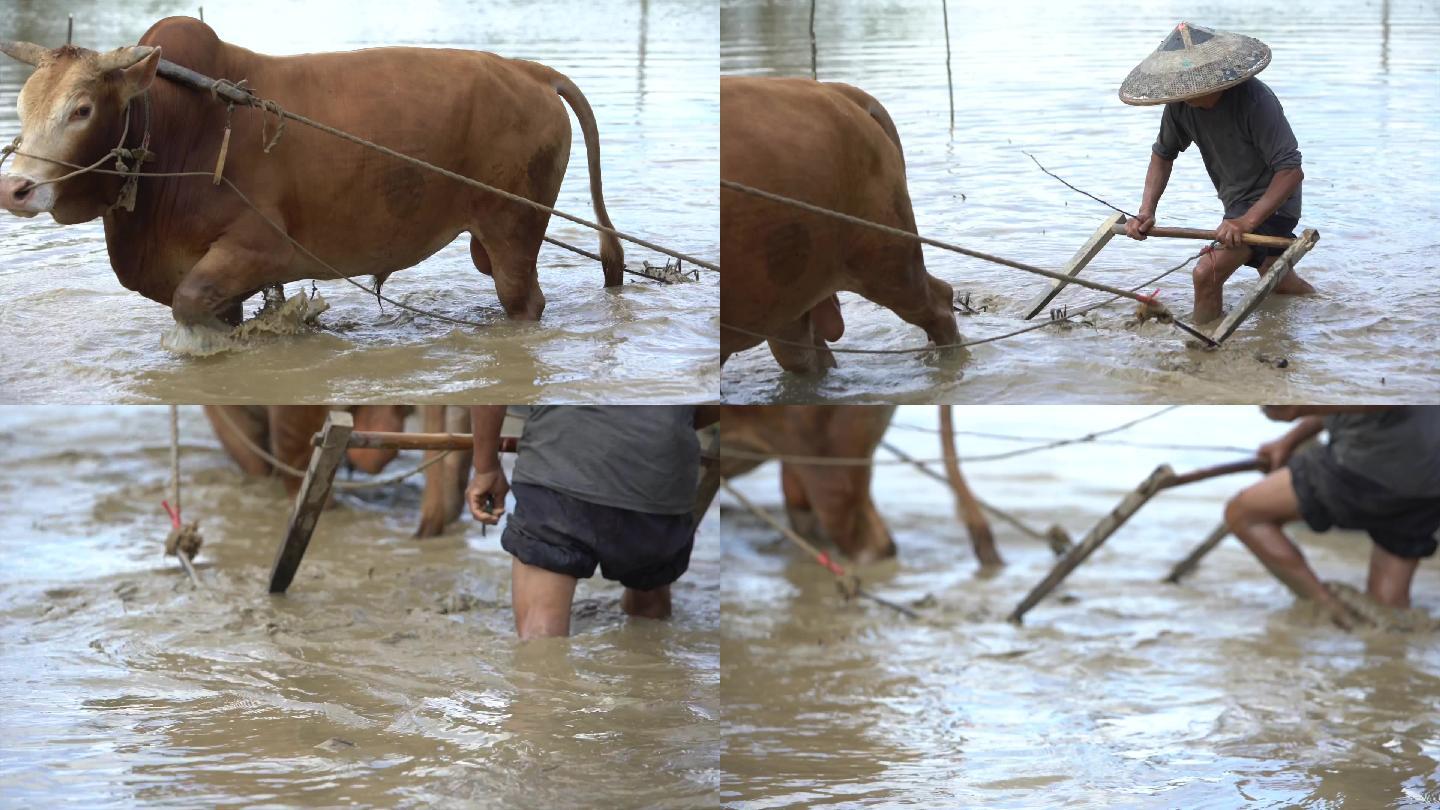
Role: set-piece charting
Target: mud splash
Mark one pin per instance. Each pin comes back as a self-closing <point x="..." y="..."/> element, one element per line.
<point x="277" y="316"/>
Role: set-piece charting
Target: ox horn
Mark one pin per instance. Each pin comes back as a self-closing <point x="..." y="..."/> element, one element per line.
<point x="122" y="58"/>
<point x="27" y="52"/>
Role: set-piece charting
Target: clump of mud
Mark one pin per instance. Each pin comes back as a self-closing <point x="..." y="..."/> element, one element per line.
<point x="1375" y="616"/>
<point x="279" y="316"/>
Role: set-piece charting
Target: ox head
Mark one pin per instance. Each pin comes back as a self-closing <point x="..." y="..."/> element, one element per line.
<point x="72" y="109"/>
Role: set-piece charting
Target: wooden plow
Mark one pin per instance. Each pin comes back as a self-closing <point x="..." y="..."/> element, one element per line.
<point x="339" y="435"/>
<point x="1295" y="249"/>
<point x="1162" y="478"/>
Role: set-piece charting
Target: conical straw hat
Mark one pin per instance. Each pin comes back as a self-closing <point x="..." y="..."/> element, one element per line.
<point x="1194" y="61"/>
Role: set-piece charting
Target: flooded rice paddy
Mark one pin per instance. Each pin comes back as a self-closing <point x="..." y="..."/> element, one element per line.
<point x="387" y="677"/>
<point x="648" y="70"/>
<point x="1358" y="84"/>
<point x="1119" y="691"/>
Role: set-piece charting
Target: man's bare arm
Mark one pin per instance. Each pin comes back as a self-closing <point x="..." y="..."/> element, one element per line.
<point x="1156" y="178"/>
<point x="485" y="422"/>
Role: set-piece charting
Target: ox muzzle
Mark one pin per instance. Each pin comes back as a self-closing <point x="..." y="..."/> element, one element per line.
<point x="24" y="196"/>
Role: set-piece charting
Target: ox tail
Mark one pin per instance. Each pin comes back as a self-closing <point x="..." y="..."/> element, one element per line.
<point x="966" y="504"/>
<point x="612" y="256"/>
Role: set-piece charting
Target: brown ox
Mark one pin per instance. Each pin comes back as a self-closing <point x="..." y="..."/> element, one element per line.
<point x="833" y="146"/>
<point x="200" y="250"/>
<point x="833" y="502"/>
<point x="285" y="432"/>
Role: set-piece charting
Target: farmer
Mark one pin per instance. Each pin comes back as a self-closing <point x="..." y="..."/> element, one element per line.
<point x="607" y="486"/>
<point x="1380" y="471"/>
<point x="1204" y="79"/>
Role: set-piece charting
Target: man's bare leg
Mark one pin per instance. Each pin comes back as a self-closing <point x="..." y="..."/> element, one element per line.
<point x="1210" y="275"/>
<point x="1292" y="284"/>
<point x="1257" y="516"/>
<point x="542" y="600"/>
<point x="1390" y="578"/>
<point x="653" y="604"/>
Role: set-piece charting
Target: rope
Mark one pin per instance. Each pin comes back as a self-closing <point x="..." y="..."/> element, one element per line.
<point x="282" y="114"/>
<point x="1218" y="448"/>
<point x="295" y="472"/>
<point x="175" y="457"/>
<point x="126" y="197"/>
<point x="848" y="583"/>
<point x="856" y="461"/>
<point x="1148" y="301"/>
<point x="926" y="240"/>
<point x="1056" y="316"/>
<point x="994" y="511"/>
<point x="184" y="540"/>
<point x="1080" y="190"/>
<point x="228" y="183"/>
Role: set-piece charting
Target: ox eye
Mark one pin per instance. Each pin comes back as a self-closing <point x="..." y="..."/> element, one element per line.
<point x="81" y="113"/>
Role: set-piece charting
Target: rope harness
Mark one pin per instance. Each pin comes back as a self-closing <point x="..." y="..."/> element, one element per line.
<point x="1152" y="306"/>
<point x="129" y="164"/>
<point x="295" y="472"/>
<point x="865" y="461"/>
<point x="137" y="156"/>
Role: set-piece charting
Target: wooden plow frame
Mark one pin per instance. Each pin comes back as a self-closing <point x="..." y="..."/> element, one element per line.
<point x="339" y="435"/>
<point x="1114" y="225"/>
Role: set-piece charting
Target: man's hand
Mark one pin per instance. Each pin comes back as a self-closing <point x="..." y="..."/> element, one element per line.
<point x="1138" y="226"/>
<point x="1231" y="230"/>
<point x="1281" y="413"/>
<point x="1276" y="453"/>
<point x="486" y="494"/>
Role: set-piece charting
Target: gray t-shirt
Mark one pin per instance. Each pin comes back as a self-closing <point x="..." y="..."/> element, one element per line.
<point x="1398" y="448"/>
<point x="1244" y="140"/>
<point x="645" y="458"/>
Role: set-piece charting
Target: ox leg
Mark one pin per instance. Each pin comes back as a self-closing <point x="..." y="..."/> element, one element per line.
<point x="799" y="360"/>
<point x="292" y="427"/>
<point x="212" y="294"/>
<point x="445" y="482"/>
<point x="510" y="261"/>
<point x="846" y="514"/>
<point x="249" y="421"/>
<point x="918" y="298"/>
<point x="384" y="418"/>
<point x="797" y="504"/>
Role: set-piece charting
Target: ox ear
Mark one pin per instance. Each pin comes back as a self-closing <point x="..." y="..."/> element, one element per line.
<point x="137" y="69"/>
<point x="27" y="52"/>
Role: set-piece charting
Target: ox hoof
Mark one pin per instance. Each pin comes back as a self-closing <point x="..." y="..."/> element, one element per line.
<point x="197" y="341"/>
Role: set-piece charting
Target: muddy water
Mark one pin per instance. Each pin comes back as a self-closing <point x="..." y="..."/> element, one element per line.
<point x="1358" y="85"/>
<point x="387" y="677"/>
<point x="648" y="70"/>
<point x="1121" y="692"/>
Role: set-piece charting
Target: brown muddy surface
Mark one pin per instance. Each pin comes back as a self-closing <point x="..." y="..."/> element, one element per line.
<point x="388" y="676"/>
<point x="1119" y="691"/>
<point x="1358" y="84"/>
<point x="648" y="70"/>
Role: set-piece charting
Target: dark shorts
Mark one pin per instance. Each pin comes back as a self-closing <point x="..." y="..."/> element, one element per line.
<point x="566" y="535"/>
<point x="1331" y="495"/>
<point x="1276" y="225"/>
